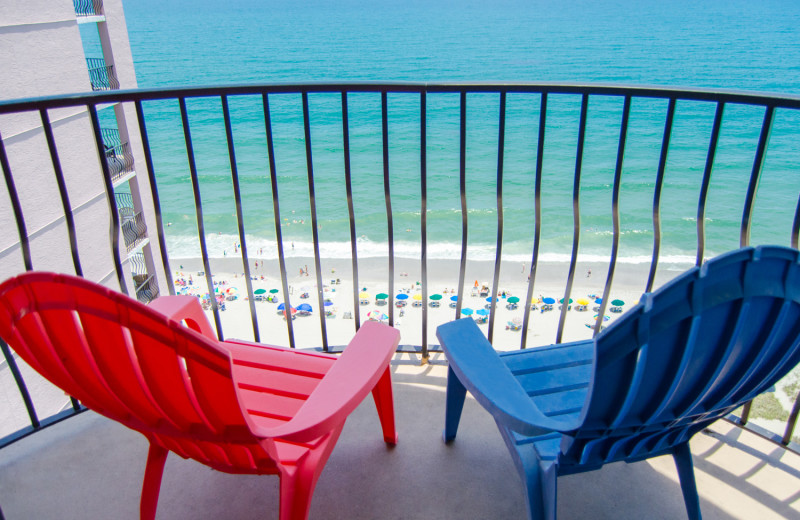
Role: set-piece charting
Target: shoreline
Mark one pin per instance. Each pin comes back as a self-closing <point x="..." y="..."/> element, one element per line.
<point x="442" y="275"/>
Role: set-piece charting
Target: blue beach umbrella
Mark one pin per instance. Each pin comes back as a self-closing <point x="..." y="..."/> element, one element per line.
<point x="490" y="299"/>
<point x="467" y="311"/>
<point x="402" y="296"/>
<point x="598" y="301"/>
<point x="304" y="307"/>
<point x="454" y="298"/>
<point x="482" y="312"/>
<point x="328" y="303"/>
<point x="549" y="301"/>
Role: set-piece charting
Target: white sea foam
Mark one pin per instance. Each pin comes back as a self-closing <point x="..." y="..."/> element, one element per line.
<point x="222" y="245"/>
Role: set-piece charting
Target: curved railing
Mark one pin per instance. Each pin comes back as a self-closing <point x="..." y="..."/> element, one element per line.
<point x="600" y="155"/>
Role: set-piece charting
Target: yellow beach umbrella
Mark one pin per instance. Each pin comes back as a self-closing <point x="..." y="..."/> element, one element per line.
<point x="582" y="301"/>
<point x="417" y="296"/>
<point x="364" y="296"/>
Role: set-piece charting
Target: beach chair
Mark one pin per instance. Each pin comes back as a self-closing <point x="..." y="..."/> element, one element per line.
<point x="235" y="406"/>
<point x="689" y="353"/>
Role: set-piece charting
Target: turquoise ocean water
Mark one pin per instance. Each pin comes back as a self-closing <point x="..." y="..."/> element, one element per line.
<point x="726" y="45"/>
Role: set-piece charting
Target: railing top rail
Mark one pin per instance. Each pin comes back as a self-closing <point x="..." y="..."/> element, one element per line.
<point x="776" y="100"/>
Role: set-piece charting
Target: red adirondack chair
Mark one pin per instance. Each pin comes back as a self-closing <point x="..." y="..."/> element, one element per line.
<point x="236" y="406"/>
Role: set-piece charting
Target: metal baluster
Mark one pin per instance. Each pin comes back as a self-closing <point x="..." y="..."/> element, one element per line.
<point x="537" y="230"/>
<point x="237" y="195"/>
<point x="387" y="197"/>
<point x="662" y="164"/>
<point x="148" y="158"/>
<point x="501" y="137"/>
<point x="576" y="216"/>
<point x="701" y="205"/>
<point x="62" y="190"/>
<point x="198" y="205"/>
<point x="112" y="203"/>
<point x="623" y="133"/>
<point x="758" y="165"/>
<point x="463" y="191"/>
<point x="314" y="226"/>
<point x="273" y="175"/>
<point x="423" y="165"/>
<point x="348" y="181"/>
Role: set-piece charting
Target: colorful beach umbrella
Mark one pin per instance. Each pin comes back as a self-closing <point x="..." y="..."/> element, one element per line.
<point x="466" y="311"/>
<point x="376" y="315"/>
<point x="435" y="296"/>
<point x="548" y="301"/>
<point x="605" y="318"/>
<point x="513" y="299"/>
<point x="259" y="291"/>
<point x="381" y="296"/>
<point x="402" y="296"/>
<point x="617" y="303"/>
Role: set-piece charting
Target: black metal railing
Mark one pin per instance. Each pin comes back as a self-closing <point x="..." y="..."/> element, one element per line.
<point x="88" y="7"/>
<point x="527" y="119"/>
<point x="146" y="287"/>
<point x="134" y="229"/>
<point x="118" y="154"/>
<point x="101" y="75"/>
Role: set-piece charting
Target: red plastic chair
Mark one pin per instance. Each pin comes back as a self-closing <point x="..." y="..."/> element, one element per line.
<point x="236" y="406"/>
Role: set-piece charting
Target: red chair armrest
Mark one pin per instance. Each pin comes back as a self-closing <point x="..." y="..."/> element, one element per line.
<point x="350" y="379"/>
<point x="184" y="308"/>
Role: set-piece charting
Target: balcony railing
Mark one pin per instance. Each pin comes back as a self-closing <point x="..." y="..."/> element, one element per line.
<point x="101" y="75"/>
<point x="134" y="229"/>
<point x="88" y="7"/>
<point x="455" y="143"/>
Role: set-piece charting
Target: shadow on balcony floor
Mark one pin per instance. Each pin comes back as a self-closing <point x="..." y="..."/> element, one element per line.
<point x="89" y="467"/>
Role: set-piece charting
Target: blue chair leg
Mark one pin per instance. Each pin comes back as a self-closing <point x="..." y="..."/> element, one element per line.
<point x="540" y="479"/>
<point x="683" y="461"/>
<point x="453" y="406"/>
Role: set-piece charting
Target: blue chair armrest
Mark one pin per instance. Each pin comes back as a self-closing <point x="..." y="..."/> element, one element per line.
<point x="482" y="372"/>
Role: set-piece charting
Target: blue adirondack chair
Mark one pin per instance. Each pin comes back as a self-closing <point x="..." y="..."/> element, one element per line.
<point x="686" y="355"/>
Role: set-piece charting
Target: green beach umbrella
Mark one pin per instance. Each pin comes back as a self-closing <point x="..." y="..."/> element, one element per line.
<point x="562" y="300"/>
<point x="436" y="296"/>
<point x="273" y="291"/>
<point x="381" y="296"/>
<point x="617" y="303"/>
<point x="513" y="299"/>
<point x="259" y="291"/>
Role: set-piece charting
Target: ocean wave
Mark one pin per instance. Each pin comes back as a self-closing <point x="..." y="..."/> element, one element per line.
<point x="223" y="245"/>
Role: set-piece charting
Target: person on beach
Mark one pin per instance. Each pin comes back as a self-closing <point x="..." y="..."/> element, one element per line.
<point x="588" y="273"/>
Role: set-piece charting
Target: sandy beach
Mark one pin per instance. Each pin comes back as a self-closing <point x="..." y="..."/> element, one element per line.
<point x="373" y="274"/>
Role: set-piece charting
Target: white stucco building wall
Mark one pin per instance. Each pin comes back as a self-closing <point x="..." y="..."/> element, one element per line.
<point x="42" y="54"/>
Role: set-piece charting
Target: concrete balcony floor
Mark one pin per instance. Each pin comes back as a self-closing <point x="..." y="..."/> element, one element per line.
<point x="90" y="467"/>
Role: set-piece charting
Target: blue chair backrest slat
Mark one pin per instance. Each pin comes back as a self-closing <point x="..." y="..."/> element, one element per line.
<point x="690" y="352"/>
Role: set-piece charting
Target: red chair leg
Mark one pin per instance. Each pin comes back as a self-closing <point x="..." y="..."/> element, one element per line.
<point x="297" y="484"/>
<point x="156" y="458"/>
<point x="384" y="402"/>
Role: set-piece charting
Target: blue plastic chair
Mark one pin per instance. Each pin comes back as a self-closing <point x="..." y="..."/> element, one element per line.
<point x="686" y="355"/>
